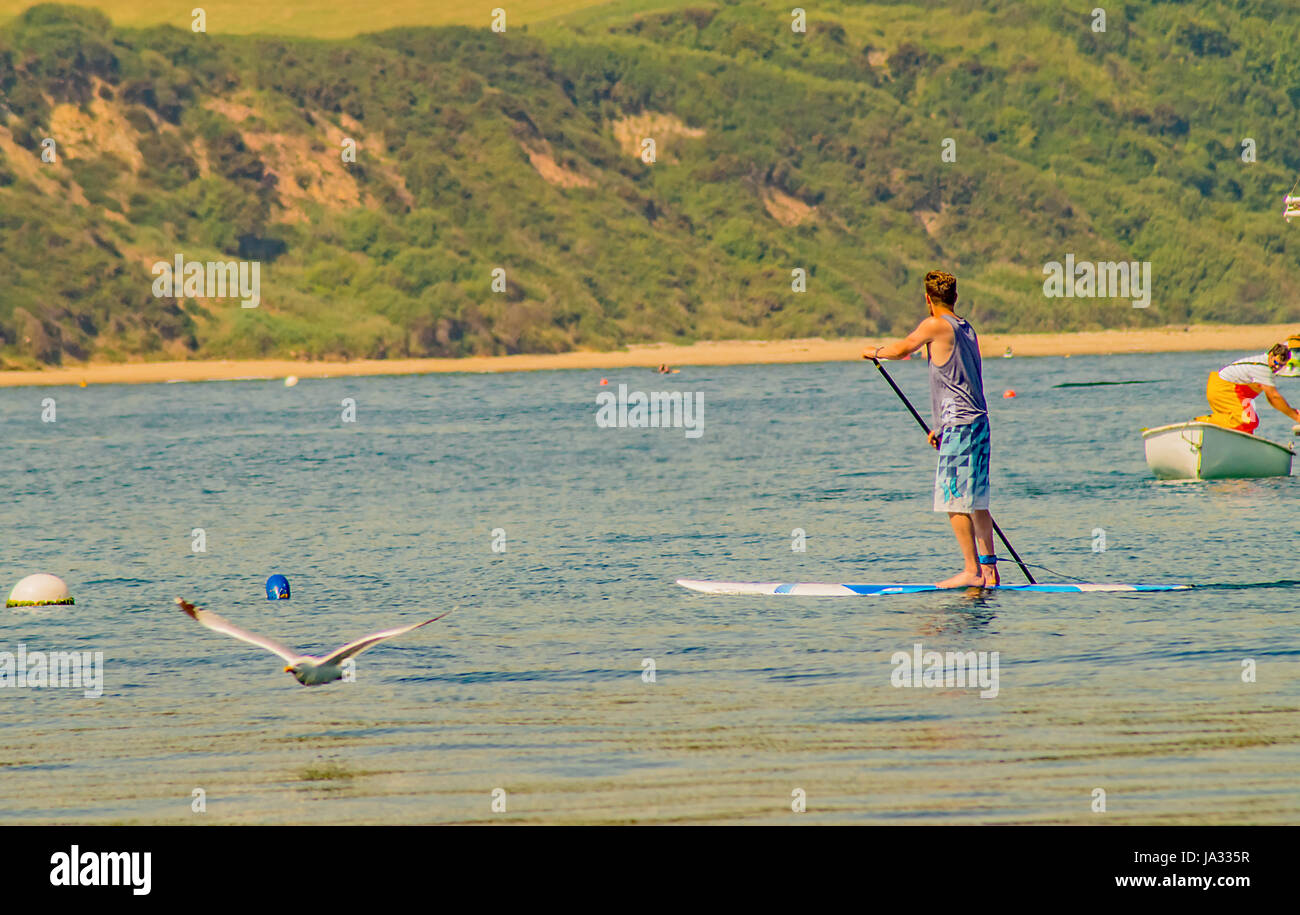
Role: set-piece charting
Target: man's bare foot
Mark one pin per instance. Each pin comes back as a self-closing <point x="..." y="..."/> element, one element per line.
<point x="991" y="577"/>
<point x="963" y="580"/>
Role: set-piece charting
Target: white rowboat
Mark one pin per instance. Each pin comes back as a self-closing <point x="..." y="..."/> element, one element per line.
<point x="1204" y="451"/>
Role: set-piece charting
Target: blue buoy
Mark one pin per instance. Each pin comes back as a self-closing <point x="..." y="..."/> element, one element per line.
<point x="277" y="588"/>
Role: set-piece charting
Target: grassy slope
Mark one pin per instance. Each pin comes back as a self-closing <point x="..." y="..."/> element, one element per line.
<point x="1115" y="146"/>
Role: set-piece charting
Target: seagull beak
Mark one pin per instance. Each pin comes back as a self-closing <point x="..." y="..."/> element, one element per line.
<point x="288" y="670"/>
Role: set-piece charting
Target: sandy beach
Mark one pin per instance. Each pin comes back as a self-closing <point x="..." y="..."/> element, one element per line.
<point x="1191" y="338"/>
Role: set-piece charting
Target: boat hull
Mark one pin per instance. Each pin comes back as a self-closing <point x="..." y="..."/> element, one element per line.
<point x="1204" y="451"/>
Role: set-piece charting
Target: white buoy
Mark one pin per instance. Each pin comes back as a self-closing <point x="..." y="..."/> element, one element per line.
<point x="1295" y="430"/>
<point x="290" y="381"/>
<point x="38" y="591"/>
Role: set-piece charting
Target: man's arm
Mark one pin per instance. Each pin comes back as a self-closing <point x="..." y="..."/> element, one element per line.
<point x="1279" y="402"/>
<point x="926" y="332"/>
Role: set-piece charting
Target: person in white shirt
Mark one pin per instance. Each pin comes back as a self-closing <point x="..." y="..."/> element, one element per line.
<point x="1232" y="390"/>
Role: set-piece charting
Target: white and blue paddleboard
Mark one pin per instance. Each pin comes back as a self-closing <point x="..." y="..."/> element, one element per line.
<point x="821" y="589"/>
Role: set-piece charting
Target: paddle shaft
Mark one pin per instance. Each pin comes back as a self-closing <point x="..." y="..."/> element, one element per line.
<point x="924" y="425"/>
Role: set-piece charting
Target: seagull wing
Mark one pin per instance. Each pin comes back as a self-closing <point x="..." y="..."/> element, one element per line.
<point x="351" y="649"/>
<point x="225" y="627"/>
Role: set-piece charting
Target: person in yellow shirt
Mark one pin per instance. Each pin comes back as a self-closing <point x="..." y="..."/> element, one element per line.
<point x="1292" y="369"/>
<point x="1232" y="390"/>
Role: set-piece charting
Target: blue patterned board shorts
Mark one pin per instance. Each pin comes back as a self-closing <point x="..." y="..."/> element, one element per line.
<point x="962" y="481"/>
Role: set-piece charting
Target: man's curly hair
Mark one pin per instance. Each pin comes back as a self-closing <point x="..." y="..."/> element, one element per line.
<point x="941" y="287"/>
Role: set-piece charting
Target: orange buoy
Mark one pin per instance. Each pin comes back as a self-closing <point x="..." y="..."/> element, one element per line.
<point x="1009" y="393"/>
<point x="604" y="381"/>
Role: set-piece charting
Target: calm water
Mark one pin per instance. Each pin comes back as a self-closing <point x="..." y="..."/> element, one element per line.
<point x="534" y="684"/>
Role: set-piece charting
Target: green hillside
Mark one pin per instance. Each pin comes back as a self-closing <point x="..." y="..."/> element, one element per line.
<point x="480" y="151"/>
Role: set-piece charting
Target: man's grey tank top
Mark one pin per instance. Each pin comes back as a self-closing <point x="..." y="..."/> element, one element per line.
<point x="957" y="386"/>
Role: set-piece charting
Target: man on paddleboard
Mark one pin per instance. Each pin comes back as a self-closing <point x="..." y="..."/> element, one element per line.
<point x="1232" y="390"/>
<point x="961" y="426"/>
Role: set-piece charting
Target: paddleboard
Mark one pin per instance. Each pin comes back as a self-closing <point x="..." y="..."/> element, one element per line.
<point x="821" y="589"/>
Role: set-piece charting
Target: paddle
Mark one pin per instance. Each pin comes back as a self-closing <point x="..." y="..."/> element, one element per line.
<point x="926" y="427"/>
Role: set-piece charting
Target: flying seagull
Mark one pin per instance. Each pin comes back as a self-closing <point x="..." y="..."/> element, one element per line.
<point x="306" y="669"/>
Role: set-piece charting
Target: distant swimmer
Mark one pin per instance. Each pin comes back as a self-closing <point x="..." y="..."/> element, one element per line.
<point x="665" y="370"/>
<point x="1232" y="390"/>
